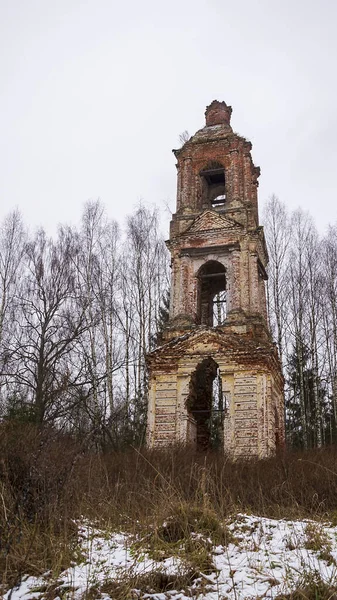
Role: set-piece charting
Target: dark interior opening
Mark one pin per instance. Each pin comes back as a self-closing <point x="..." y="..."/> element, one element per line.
<point x="214" y="176"/>
<point x="212" y="308"/>
<point x="205" y="404"/>
<point x="213" y="185"/>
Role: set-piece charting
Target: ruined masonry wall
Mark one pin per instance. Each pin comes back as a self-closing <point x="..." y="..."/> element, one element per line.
<point x="252" y="398"/>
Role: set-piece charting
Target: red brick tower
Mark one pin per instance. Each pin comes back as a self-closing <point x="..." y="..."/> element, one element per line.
<point x="217" y="378"/>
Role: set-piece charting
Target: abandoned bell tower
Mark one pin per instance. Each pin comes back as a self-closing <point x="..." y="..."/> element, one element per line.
<point x="216" y="380"/>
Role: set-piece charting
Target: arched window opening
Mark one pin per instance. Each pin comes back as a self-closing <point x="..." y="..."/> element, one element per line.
<point x="213" y="185"/>
<point x="205" y="404"/>
<point x="212" y="304"/>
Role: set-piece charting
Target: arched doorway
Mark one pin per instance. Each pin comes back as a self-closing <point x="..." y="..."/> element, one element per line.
<point x="205" y="404"/>
<point x="212" y="300"/>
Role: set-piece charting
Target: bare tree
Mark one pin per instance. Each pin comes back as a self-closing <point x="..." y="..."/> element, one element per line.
<point x="98" y="274"/>
<point x="300" y="227"/>
<point x="329" y="314"/>
<point x="314" y="306"/>
<point x="50" y="322"/>
<point x="277" y="230"/>
<point x="12" y="244"/>
<point x="144" y="282"/>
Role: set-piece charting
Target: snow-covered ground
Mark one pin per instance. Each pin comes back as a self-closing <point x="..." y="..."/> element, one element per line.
<point x="268" y="557"/>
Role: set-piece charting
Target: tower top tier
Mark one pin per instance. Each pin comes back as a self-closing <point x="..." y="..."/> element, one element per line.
<point x="216" y="171"/>
<point x="218" y="113"/>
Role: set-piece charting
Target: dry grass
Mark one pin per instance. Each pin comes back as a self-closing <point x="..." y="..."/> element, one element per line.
<point x="157" y="581"/>
<point x="187" y="533"/>
<point x="311" y="587"/>
<point x="47" y="480"/>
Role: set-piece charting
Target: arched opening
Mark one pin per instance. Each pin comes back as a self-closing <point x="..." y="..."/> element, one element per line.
<point x="212" y="300"/>
<point x="205" y="405"/>
<point x="213" y="185"/>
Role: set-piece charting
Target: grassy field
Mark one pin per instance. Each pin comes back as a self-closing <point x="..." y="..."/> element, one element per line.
<point x="170" y="501"/>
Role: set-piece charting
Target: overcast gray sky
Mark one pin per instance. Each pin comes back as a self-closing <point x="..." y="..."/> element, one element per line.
<point x="94" y="95"/>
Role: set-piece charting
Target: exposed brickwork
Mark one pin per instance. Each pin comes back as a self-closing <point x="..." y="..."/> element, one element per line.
<point x="215" y="234"/>
<point x="217" y="113"/>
